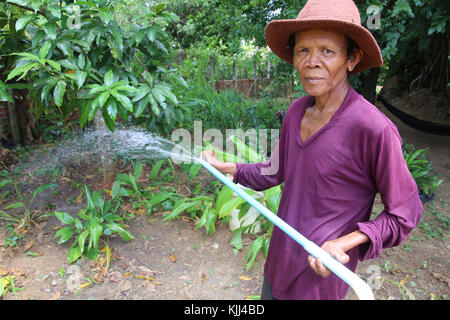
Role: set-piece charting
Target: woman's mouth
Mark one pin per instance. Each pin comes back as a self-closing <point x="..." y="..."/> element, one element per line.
<point x="313" y="80"/>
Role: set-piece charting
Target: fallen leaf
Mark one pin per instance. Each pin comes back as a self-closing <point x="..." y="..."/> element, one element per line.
<point x="203" y="277"/>
<point x="152" y="220"/>
<point x="3" y="272"/>
<point x="173" y="258"/>
<point x="127" y="274"/>
<point x="28" y="245"/>
<point x="245" y="278"/>
<point x="84" y="285"/>
<point x="79" y="199"/>
<point x="403" y="281"/>
<point x="144" y="277"/>
<point x="55" y="296"/>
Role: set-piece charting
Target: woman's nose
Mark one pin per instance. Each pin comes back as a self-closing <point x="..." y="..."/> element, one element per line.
<point x="313" y="60"/>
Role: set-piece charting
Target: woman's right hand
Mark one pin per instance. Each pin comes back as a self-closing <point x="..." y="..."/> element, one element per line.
<point x="210" y="156"/>
<point x="224" y="167"/>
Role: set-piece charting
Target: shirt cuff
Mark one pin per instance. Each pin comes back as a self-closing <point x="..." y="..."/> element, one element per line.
<point x="236" y="175"/>
<point x="371" y="249"/>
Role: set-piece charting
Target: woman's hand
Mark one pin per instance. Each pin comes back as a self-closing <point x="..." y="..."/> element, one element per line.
<point x="210" y="156"/>
<point x="337" y="248"/>
<point x="334" y="249"/>
<point x="224" y="167"/>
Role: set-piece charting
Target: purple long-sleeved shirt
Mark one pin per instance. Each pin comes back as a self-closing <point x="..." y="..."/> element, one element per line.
<point x="330" y="182"/>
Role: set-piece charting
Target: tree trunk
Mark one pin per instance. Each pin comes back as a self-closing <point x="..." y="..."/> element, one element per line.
<point x="369" y="84"/>
<point x="13" y="123"/>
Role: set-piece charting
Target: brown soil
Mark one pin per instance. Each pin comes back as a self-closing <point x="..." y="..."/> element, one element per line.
<point x="173" y="260"/>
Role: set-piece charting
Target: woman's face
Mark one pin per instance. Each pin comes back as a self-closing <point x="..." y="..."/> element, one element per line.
<point x="320" y="58"/>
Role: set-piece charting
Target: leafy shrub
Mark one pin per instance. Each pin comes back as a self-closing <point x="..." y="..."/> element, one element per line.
<point x="419" y="165"/>
<point x="99" y="220"/>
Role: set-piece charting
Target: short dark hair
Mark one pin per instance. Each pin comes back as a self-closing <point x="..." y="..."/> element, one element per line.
<point x="351" y="44"/>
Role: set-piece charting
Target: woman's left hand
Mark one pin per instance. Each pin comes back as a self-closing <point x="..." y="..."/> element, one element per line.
<point x="333" y="248"/>
<point x="338" y="248"/>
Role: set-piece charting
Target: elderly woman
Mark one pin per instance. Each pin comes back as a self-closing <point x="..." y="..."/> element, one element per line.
<point x="336" y="152"/>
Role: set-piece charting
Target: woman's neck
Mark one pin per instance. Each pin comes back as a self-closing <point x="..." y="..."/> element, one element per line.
<point x="331" y="101"/>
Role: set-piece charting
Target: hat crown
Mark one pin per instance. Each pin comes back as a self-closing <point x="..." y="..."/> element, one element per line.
<point x="344" y="10"/>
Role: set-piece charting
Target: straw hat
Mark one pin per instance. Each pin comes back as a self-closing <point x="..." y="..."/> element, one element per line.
<point x="339" y="15"/>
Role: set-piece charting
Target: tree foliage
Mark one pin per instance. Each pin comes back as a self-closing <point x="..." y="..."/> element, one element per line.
<point x="79" y="59"/>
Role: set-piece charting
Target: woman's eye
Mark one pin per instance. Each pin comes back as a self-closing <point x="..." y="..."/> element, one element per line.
<point x="327" y="51"/>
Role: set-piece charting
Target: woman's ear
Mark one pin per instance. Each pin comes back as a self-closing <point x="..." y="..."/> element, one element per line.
<point x="354" y="59"/>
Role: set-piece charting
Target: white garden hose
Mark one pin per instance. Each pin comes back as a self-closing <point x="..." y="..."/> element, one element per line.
<point x="361" y="288"/>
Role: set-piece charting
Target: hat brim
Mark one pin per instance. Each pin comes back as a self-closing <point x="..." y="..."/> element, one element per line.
<point x="278" y="33"/>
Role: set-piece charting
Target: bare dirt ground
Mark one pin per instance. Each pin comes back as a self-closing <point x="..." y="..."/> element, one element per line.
<point x="173" y="260"/>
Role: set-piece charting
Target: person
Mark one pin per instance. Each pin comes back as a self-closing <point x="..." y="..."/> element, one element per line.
<point x="336" y="152"/>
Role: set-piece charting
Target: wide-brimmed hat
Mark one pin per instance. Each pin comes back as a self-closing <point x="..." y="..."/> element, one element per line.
<point x="338" y="15"/>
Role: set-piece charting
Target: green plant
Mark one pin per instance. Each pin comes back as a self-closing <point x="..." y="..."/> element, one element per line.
<point x="8" y="284"/>
<point x="419" y="165"/>
<point x="128" y="186"/>
<point x="23" y="203"/>
<point x="79" y="60"/>
<point x="99" y="220"/>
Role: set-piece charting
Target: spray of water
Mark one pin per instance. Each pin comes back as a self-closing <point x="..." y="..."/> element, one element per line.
<point x="129" y="143"/>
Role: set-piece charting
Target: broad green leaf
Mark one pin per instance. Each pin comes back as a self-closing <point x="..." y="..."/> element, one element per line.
<point x="223" y="197"/>
<point x="4" y="96"/>
<point x="5" y="182"/>
<point x="137" y="170"/>
<point x="55" y="11"/>
<point x="179" y="209"/>
<point x="110" y="123"/>
<point x="103" y="98"/>
<point x="58" y="92"/>
<point x="64" y="217"/>
<point x="15" y="205"/>
<point x="114" y="227"/>
<point x="64" y="233"/>
<point x="21" y="70"/>
<point x="123" y="100"/>
<point x="115" y="189"/>
<point x="85" y="110"/>
<point x="253" y="251"/>
<point x="81" y="239"/>
<point x="111" y="109"/>
<point x="167" y="93"/>
<point x="92" y="253"/>
<point x="81" y="78"/>
<point x="54" y="64"/>
<point x="153" y="104"/>
<point x="229" y="206"/>
<point x="74" y="254"/>
<point x="159" y="197"/>
<point x="142" y="92"/>
<point x="49" y="84"/>
<point x="23" y="3"/>
<point x="236" y="242"/>
<point x="24" y="20"/>
<point x="155" y="169"/>
<point x="42" y="188"/>
<point x="95" y="231"/>
<point x="50" y="29"/>
<point x="159" y="97"/>
<point x="44" y="49"/>
<point x="109" y="78"/>
<point x="96" y="88"/>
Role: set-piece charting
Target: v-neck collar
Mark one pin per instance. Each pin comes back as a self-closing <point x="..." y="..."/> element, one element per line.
<point x="351" y="92"/>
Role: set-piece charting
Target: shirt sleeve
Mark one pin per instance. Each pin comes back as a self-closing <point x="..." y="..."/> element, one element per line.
<point x="399" y="194"/>
<point x="264" y="175"/>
